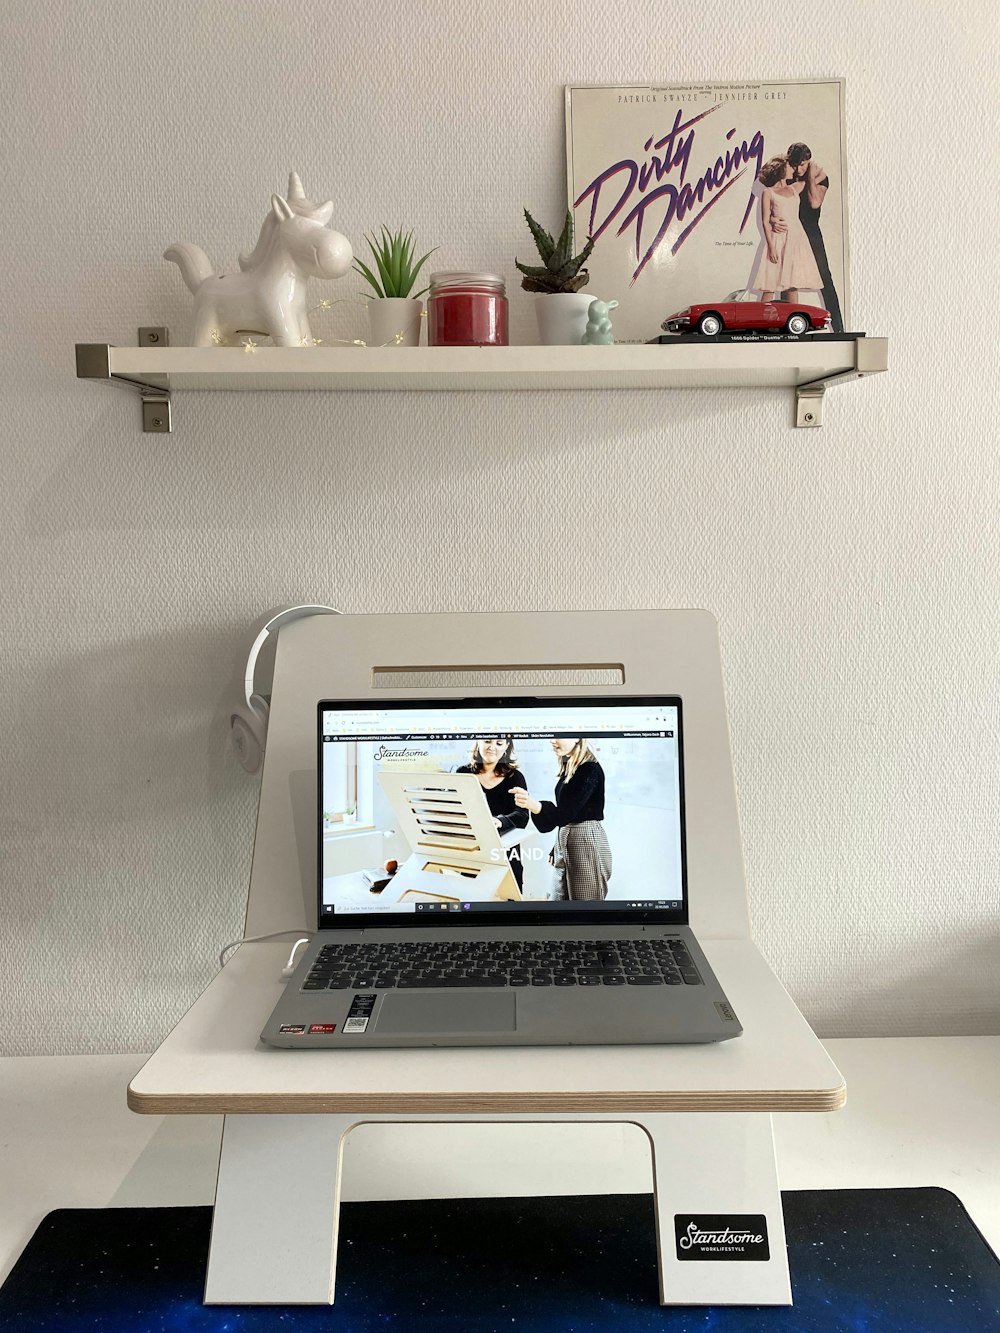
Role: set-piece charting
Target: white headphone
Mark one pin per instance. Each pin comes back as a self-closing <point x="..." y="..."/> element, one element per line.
<point x="248" y="719"/>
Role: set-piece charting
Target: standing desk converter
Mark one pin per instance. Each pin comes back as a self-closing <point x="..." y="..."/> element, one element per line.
<point x="705" y="1109"/>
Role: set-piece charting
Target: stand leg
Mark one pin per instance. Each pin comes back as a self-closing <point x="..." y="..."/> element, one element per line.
<point x="715" y="1186"/>
<point x="277" y="1210"/>
<point x="716" y="1173"/>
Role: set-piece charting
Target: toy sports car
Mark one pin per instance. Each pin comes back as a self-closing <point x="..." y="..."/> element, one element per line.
<point x="741" y="311"/>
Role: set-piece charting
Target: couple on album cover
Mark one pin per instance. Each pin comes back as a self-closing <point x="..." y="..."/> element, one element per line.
<point x="793" y="257"/>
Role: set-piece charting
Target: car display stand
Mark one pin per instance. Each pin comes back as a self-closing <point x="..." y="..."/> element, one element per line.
<point x="704" y="1108"/>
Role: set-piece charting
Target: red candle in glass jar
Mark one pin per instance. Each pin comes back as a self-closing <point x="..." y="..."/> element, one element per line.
<point x="467" y="310"/>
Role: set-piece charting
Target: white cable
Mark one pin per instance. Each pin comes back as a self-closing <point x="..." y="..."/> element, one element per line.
<point x="289" y="967"/>
<point x="256" y="939"/>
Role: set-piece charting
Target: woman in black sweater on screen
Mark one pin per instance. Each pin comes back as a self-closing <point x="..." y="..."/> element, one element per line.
<point x="495" y="765"/>
<point x="581" y="853"/>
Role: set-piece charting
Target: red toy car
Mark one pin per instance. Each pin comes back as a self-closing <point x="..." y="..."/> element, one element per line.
<point x="740" y="312"/>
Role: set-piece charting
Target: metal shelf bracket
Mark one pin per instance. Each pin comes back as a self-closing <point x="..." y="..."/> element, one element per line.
<point x="809" y="404"/>
<point x="156" y="414"/>
<point x="93" y="362"/>
<point x="870" y="359"/>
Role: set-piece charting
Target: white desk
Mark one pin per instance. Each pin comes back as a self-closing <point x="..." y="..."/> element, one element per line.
<point x="922" y="1111"/>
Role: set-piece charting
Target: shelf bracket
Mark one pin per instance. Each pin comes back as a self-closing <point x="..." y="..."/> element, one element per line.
<point x="156" y="414"/>
<point x="93" y="362"/>
<point x="870" y="358"/>
<point x="809" y="404"/>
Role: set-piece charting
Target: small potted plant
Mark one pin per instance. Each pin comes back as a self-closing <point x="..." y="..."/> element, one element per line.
<point x="395" y="313"/>
<point x="561" y="305"/>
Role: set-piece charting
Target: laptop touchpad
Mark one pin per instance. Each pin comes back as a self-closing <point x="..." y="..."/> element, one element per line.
<point x="409" y="1014"/>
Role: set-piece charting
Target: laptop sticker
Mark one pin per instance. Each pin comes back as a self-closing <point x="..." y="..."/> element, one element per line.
<point x="359" y="1014"/>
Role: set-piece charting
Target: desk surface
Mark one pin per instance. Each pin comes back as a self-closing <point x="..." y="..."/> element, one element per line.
<point x="922" y="1111"/>
<point x="212" y="1062"/>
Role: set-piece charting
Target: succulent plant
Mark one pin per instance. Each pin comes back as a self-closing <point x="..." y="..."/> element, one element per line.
<point x="393" y="254"/>
<point x="560" y="271"/>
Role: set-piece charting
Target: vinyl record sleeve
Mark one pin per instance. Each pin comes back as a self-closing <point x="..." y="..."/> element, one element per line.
<point x="666" y="179"/>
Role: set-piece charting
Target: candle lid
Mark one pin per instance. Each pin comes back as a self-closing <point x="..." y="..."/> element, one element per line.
<point x="439" y="280"/>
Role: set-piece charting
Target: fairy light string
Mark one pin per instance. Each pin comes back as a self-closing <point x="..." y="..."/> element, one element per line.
<point x="250" y="345"/>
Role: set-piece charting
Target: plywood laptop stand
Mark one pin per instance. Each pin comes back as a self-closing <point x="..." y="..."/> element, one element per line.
<point x="705" y="1109"/>
<point x="441" y="815"/>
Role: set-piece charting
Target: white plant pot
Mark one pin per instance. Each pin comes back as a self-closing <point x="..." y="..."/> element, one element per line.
<point x="562" y="317"/>
<point x="392" y="316"/>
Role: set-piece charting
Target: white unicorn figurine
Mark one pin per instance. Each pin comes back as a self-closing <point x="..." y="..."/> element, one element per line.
<point x="269" y="296"/>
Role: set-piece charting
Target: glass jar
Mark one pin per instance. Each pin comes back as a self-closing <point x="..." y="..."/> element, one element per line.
<point x="467" y="310"/>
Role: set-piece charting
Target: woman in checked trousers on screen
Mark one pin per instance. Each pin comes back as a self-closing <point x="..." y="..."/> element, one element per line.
<point x="581" y="854"/>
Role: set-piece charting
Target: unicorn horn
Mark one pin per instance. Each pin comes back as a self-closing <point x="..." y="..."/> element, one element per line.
<point x="296" y="194"/>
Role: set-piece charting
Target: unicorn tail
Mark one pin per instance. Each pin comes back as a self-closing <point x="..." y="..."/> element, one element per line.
<point x="193" y="262"/>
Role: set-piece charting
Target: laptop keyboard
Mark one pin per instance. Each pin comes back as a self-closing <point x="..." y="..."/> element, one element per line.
<point x="463" y="964"/>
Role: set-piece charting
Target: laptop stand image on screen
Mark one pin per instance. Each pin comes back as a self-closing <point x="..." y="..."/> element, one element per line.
<point x="458" y="853"/>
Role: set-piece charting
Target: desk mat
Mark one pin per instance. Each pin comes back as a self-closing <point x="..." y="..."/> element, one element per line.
<point x="862" y="1261"/>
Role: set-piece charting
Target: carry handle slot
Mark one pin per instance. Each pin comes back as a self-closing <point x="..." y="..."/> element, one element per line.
<point x="516" y="677"/>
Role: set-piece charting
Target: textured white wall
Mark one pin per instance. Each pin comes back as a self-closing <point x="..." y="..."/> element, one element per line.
<point x="853" y="569"/>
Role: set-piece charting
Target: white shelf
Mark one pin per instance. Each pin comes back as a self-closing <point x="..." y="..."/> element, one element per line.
<point x="809" y="366"/>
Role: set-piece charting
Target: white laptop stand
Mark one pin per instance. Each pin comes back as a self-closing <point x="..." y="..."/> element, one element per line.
<point x="705" y="1109"/>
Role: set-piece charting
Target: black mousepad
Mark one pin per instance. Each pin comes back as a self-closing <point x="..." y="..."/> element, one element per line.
<point x="862" y="1261"/>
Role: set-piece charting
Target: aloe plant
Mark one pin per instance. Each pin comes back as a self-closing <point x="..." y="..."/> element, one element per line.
<point x="393" y="254"/>
<point x="561" y="271"/>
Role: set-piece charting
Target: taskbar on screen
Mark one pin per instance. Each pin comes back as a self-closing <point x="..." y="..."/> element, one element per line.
<point x="421" y="909"/>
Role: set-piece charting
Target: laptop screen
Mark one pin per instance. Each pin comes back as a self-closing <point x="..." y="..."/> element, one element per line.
<point x="486" y="811"/>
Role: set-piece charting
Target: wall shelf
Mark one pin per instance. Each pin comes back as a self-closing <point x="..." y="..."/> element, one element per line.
<point x="809" y="366"/>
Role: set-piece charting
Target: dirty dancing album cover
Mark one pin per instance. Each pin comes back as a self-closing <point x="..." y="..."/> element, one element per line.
<point x="696" y="193"/>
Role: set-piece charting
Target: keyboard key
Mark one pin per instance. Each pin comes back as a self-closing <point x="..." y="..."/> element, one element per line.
<point x="432" y="983"/>
<point x="644" y="981"/>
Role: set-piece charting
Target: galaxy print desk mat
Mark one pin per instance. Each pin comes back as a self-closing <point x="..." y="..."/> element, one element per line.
<point x="862" y="1261"/>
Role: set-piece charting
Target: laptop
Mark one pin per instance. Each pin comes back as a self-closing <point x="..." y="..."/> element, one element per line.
<point x="501" y="872"/>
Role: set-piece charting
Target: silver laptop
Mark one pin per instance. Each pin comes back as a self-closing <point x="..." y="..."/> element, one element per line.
<point x="501" y="872"/>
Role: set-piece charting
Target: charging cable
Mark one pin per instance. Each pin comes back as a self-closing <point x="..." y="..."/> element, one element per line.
<point x="289" y="967"/>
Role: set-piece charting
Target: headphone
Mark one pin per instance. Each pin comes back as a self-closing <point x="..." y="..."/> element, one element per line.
<point x="248" y="719"/>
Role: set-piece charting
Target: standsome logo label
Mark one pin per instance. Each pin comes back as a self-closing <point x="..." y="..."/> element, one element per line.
<point x="721" y="1236"/>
